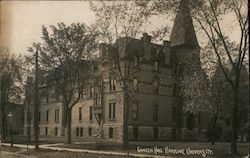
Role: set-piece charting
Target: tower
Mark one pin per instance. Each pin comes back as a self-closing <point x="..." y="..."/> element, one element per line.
<point x="183" y="33"/>
<point x="183" y="45"/>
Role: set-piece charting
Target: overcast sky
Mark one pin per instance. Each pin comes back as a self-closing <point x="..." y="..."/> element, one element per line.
<point x="21" y="21"/>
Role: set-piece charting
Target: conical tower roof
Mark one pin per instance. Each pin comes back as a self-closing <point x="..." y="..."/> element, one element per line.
<point x="183" y="33"/>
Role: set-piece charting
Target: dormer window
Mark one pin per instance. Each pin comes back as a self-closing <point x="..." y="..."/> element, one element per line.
<point x="135" y="84"/>
<point x="91" y="91"/>
<point x="157" y="66"/>
<point x="156" y="86"/>
<point x="136" y="60"/>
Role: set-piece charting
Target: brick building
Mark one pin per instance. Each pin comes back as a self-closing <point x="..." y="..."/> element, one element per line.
<point x="155" y="109"/>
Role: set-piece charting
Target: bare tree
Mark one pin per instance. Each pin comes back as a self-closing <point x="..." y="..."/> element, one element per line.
<point x="209" y="16"/>
<point x="118" y="23"/>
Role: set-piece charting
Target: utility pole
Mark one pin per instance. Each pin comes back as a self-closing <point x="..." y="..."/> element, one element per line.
<point x="36" y="123"/>
<point x="0" y="112"/>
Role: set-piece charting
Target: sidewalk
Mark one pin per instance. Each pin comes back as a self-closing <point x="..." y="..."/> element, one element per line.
<point x="52" y="147"/>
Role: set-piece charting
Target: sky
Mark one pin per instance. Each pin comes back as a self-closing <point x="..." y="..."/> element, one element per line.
<point x="27" y="17"/>
<point x="21" y="21"/>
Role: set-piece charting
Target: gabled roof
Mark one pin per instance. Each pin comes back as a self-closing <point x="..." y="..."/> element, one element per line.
<point x="183" y="33"/>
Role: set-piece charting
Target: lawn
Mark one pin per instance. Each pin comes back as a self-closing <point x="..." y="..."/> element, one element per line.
<point x="219" y="150"/>
<point x="191" y="149"/>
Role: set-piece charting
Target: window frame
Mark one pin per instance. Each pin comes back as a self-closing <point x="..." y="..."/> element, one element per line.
<point x="90" y="113"/>
<point x="47" y="116"/>
<point x="155" y="113"/>
<point x="112" y="84"/>
<point x="112" y="110"/>
<point x="111" y="132"/>
<point x="57" y="115"/>
<point x="135" y="111"/>
<point x="80" y="114"/>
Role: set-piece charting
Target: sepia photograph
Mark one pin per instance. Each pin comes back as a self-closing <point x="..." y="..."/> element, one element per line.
<point x="124" y="79"/>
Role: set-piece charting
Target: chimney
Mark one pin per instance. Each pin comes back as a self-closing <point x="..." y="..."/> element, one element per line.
<point x="146" y="38"/>
<point x="166" y="51"/>
<point x="147" y="45"/>
<point x="102" y="50"/>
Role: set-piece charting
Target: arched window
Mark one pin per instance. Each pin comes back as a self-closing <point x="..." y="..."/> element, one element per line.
<point x="135" y="84"/>
<point x="157" y="66"/>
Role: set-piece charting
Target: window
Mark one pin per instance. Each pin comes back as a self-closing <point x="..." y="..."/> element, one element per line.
<point x="46" y="130"/>
<point x="90" y="131"/>
<point x="56" y="131"/>
<point x="57" y="115"/>
<point x="135" y="111"/>
<point x="77" y="131"/>
<point x="174" y="90"/>
<point x="137" y="59"/>
<point x="190" y="121"/>
<point x="82" y="94"/>
<point x="173" y="114"/>
<point x="81" y="132"/>
<point x="80" y="114"/>
<point x="112" y="83"/>
<point x="90" y="113"/>
<point x="175" y="68"/>
<point x="29" y="116"/>
<point x="156" y="86"/>
<point x="199" y="118"/>
<point x="111" y="132"/>
<point x="157" y="66"/>
<point x="135" y="132"/>
<point x="155" y="113"/>
<point x="135" y="84"/>
<point x="47" y="115"/>
<point x="98" y="99"/>
<point x="28" y="131"/>
<point x="39" y="116"/>
<point x="91" y="91"/>
<point x="57" y="96"/>
<point x="111" y="110"/>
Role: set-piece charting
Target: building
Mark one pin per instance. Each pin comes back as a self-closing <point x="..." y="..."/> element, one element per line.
<point x="14" y="119"/>
<point x="154" y="106"/>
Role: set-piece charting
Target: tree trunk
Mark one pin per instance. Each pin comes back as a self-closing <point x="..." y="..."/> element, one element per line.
<point x="1" y="127"/>
<point x="63" y="123"/>
<point x="125" y="118"/>
<point x="213" y="130"/>
<point x="214" y="125"/>
<point x="69" y="112"/>
<point x="3" y="119"/>
<point x="234" y="122"/>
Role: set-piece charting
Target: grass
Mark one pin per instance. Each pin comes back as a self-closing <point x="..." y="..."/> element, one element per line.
<point x="220" y="149"/>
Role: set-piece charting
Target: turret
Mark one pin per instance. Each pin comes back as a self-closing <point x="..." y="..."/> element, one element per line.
<point x="183" y="33"/>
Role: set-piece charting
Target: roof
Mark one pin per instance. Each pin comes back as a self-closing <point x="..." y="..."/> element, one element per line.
<point x="183" y="33"/>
